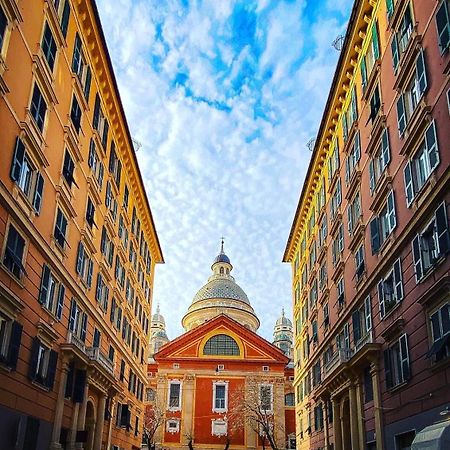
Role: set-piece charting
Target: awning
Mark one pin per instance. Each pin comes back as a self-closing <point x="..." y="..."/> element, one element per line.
<point x="434" y="437"/>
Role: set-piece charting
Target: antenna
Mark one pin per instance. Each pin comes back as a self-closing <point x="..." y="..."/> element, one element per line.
<point x="338" y="42"/>
<point x="136" y="143"/>
<point x="310" y="144"/>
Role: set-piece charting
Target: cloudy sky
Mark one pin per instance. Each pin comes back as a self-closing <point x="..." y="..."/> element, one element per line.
<point x="223" y="95"/>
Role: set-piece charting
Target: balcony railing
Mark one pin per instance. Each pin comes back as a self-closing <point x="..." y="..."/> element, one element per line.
<point x="366" y="339"/>
<point x="339" y="357"/>
<point x="95" y="354"/>
<point x="75" y="340"/>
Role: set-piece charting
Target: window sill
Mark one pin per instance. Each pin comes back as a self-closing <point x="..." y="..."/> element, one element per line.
<point x="45" y="77"/>
<point x="353" y="184"/>
<point x="391" y="311"/>
<point x="367" y="92"/>
<point x="79" y="89"/>
<point x="24" y="202"/>
<point x="397" y="387"/>
<point x="443" y="364"/>
<point x="4" y="89"/>
<point x="19" y="281"/>
<point x="72" y="139"/>
<point x="357" y="234"/>
<point x="57" y="249"/>
<point x="427" y="273"/>
<point x="422" y="195"/>
<point x="381" y="191"/>
<point x="407" y="60"/>
<point x="54" y="20"/>
<point x="40" y="386"/>
<point x="336" y="221"/>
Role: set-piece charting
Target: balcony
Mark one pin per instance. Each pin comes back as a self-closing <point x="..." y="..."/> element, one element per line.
<point x="96" y="355"/>
<point x="338" y="358"/>
<point x="366" y="339"/>
<point x="76" y="341"/>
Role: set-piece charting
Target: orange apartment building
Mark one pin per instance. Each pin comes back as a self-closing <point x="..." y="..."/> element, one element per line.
<point x="197" y="381"/>
<point x="370" y="238"/>
<point x="78" y="245"/>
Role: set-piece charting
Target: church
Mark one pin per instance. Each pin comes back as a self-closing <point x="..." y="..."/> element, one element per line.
<point x="220" y="385"/>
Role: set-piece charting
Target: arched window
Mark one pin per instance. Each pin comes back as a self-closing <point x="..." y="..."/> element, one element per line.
<point x="221" y="271"/>
<point x="221" y="344"/>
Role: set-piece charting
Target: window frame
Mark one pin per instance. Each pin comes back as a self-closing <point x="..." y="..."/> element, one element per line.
<point x="224" y="408"/>
<point x="170" y="397"/>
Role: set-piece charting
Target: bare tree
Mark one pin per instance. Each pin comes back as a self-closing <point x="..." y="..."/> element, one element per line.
<point x="153" y="419"/>
<point x="252" y="406"/>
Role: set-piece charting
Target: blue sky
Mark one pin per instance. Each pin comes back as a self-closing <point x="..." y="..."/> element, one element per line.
<point x="223" y="95"/>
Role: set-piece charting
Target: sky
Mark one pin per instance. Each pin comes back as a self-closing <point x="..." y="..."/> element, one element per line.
<point x="223" y="95"/>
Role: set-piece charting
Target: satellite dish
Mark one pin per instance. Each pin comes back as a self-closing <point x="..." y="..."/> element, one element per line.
<point x="338" y="42"/>
<point x="137" y="145"/>
<point x="310" y="144"/>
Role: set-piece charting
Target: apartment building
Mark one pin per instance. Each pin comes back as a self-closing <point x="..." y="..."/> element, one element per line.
<point x="370" y="239"/>
<point x="78" y="244"/>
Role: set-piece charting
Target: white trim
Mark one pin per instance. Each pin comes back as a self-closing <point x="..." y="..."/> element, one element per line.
<point x="215" y="384"/>
<point x="174" y="429"/>
<point x="219" y="423"/>
<point x="178" y="407"/>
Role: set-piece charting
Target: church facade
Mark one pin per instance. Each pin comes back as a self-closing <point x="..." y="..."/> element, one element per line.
<point x="220" y="384"/>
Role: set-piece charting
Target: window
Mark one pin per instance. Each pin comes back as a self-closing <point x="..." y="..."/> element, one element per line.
<point x="266" y="398"/>
<point x="78" y="320"/>
<point x="353" y="213"/>
<point x="422" y="164"/>
<point x="443" y="25"/>
<point x="10" y="337"/>
<point x="359" y="262"/>
<point x="400" y="38"/>
<point x="326" y="315"/>
<point x="432" y="243"/>
<point x="221" y="344"/>
<point x="350" y="115"/>
<point x="173" y="426"/>
<point x="316" y="374"/>
<point x="411" y="95"/>
<point x="322" y="232"/>
<point x="368" y="385"/>
<point x="343" y="338"/>
<point x="440" y="333"/>
<point x="150" y="395"/>
<point x="318" y="417"/>
<point x="14" y="252"/>
<point x="380" y="161"/>
<point x="96" y="339"/>
<point x="315" y="332"/>
<point x="80" y="67"/>
<point x="119" y="272"/>
<point x="372" y="54"/>
<point x="174" y="395"/>
<point x="48" y="46"/>
<point x="337" y="245"/>
<point x="125" y="199"/>
<point x="102" y="292"/>
<point x="340" y="291"/>
<point x="312" y="256"/>
<point x="75" y="113"/>
<point x="84" y="265"/>
<point x="90" y="213"/>
<point x="351" y="162"/>
<point x="115" y="314"/>
<point x="100" y="123"/>
<point x="51" y="292"/>
<point x="110" y="202"/>
<point x="220" y="397"/>
<point x="38" y="108"/>
<point x="289" y="399"/>
<point x="107" y="247"/>
<point x="323" y="279"/>
<point x="333" y="160"/>
<point x="68" y="168"/>
<point x="111" y="353"/>
<point x="382" y="225"/>
<point x="320" y="197"/>
<point x="362" y="321"/>
<point x="3" y="27"/>
<point x="95" y="164"/>
<point x="396" y="363"/>
<point x="313" y="294"/>
<point x="375" y="104"/>
<point x="60" y="229"/>
<point x="115" y="166"/>
<point x="43" y="362"/>
<point x="336" y="199"/>
<point x="63" y="11"/>
<point x="390" y="289"/>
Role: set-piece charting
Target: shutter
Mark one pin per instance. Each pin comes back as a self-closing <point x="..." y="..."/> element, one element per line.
<point x="100" y="175"/>
<point x="112" y="158"/>
<point x="350" y="219"/>
<point x="87" y="83"/>
<point x="417" y="256"/>
<point x="346" y="336"/>
<point x="442" y="229"/>
<point x="375" y="235"/>
<point x="387" y="368"/>
<point x="105" y="134"/>
<point x="51" y="371"/>
<point x="344" y="126"/>
<point x="385" y="151"/>
<point x="14" y="345"/>
<point x="409" y="186"/>
<point x="79" y="385"/>
<point x="60" y="305"/>
<point x="432" y="145"/>
<point x="73" y="315"/>
<point x="37" y="201"/>
<point x="375" y="41"/>
<point x="356" y="326"/>
<point x="368" y="313"/>
<point x="118" y="173"/>
<point x="96" y="116"/>
<point x="442" y="23"/>
<point x="91" y="157"/>
<point x="371" y="176"/>
<point x="421" y="72"/>
<point x="390" y="7"/>
<point x="89" y="274"/>
<point x="398" y="282"/>
<point x="113" y="310"/>
<point x="80" y="258"/>
<point x="401" y="115"/>
<point x="347" y="170"/>
<point x="45" y="280"/>
<point x="34" y="358"/>
<point x="381" y="298"/>
<point x="395" y="52"/>
<point x="65" y="18"/>
<point x="354" y="104"/>
<point x="84" y="320"/>
<point x="404" y="358"/>
<point x="357" y="147"/>
<point x="98" y="290"/>
<point x="392" y="219"/>
<point x="76" y="54"/>
<point x="17" y="162"/>
<point x="363" y="73"/>
<point x="103" y="241"/>
<point x="108" y="195"/>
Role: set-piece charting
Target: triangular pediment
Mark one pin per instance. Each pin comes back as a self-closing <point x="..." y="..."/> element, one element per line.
<point x="252" y="346"/>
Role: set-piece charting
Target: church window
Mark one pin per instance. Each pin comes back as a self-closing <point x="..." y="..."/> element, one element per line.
<point x="220" y="396"/>
<point x="266" y="398"/>
<point x="221" y="271"/>
<point x="175" y="395"/>
<point x="221" y="344"/>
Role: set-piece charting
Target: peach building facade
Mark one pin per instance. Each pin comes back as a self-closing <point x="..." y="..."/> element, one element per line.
<point x="77" y="239"/>
<point x="370" y="239"/>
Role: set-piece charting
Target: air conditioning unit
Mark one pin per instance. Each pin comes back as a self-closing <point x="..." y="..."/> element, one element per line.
<point x="220" y="368"/>
<point x="176" y="366"/>
<point x="265" y="368"/>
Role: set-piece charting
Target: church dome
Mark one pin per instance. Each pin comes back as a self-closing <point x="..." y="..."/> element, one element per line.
<point x="158" y="317"/>
<point x="220" y="295"/>
<point x="283" y="321"/>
